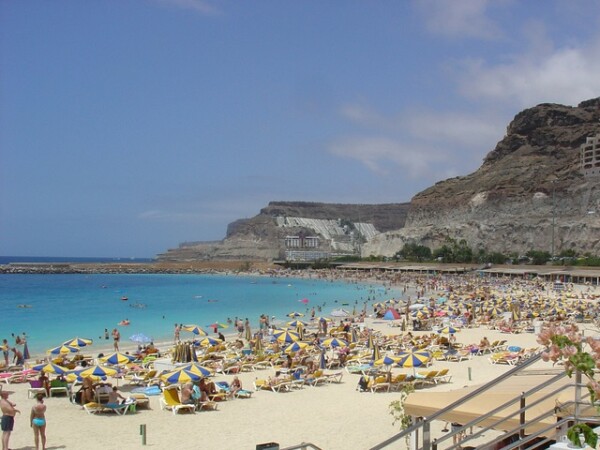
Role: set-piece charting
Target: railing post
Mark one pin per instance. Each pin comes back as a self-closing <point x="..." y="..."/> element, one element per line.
<point x="522" y="417"/>
<point x="426" y="434"/>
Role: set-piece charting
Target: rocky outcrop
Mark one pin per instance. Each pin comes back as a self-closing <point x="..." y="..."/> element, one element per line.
<point x="531" y="180"/>
<point x="341" y="229"/>
<point x="529" y="194"/>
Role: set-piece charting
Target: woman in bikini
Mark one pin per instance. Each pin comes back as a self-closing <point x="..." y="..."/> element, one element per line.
<point x="38" y="422"/>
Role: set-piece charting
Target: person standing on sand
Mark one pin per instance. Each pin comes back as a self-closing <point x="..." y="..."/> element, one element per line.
<point x="38" y="422"/>
<point x="8" y="417"/>
<point x="116" y="337"/>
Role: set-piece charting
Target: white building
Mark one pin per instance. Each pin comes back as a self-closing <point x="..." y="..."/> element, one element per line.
<point x="590" y="157"/>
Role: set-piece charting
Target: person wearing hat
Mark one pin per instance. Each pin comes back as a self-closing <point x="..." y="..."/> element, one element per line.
<point x="8" y="417"/>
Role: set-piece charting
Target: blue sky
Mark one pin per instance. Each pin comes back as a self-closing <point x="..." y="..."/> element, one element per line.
<point x="129" y="126"/>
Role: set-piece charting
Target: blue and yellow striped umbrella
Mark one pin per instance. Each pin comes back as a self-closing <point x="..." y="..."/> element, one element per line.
<point x="198" y="369"/>
<point x="96" y="371"/>
<point x="414" y="358"/>
<point x="194" y="329"/>
<point x="448" y="330"/>
<point x="118" y="358"/>
<point x="387" y="361"/>
<point x="63" y="350"/>
<point x="288" y="336"/>
<point x="296" y="323"/>
<point x="78" y="342"/>
<point x="210" y="341"/>
<point x="295" y="314"/>
<point x="51" y="368"/>
<point x="334" y="342"/>
<point x="180" y="376"/>
<point x="295" y="347"/>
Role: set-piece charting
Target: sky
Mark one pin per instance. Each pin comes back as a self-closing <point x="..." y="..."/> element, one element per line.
<point x="130" y="126"/>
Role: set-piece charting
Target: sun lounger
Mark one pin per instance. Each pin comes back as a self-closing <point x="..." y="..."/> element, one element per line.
<point x="36" y="387"/>
<point x="379" y="384"/>
<point x="170" y="400"/>
<point x="425" y="379"/>
<point x="443" y="376"/>
<point x="59" y="387"/>
<point x="95" y="408"/>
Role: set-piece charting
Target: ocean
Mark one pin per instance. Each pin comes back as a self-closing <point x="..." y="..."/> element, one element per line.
<point x="53" y="308"/>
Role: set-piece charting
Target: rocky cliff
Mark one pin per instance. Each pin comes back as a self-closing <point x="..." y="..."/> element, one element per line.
<point x="340" y="228"/>
<point x="530" y="181"/>
<point x="529" y="194"/>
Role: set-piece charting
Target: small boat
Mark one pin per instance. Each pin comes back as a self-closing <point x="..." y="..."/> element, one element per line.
<point x="124" y="298"/>
<point x="123" y="323"/>
<point x="23" y="306"/>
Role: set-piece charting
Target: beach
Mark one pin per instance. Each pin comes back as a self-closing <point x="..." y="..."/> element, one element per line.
<point x="332" y="415"/>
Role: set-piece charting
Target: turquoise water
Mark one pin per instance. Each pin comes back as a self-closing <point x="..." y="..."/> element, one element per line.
<point x="65" y="306"/>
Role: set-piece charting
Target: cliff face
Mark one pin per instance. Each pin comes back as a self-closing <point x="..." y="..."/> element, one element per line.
<point x="532" y="176"/>
<point x="262" y="236"/>
<point x="529" y="194"/>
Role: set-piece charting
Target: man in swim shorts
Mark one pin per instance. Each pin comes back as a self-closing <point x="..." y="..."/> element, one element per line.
<point x="38" y="422"/>
<point x="8" y="417"/>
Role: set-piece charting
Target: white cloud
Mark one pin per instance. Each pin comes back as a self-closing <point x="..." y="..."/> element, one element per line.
<point x="443" y="128"/>
<point x="566" y="75"/>
<point x="464" y="18"/>
<point x="200" y="6"/>
<point x="474" y="131"/>
<point x="377" y="152"/>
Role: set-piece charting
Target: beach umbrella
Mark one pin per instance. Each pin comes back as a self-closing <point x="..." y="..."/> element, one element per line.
<point x="63" y="350"/>
<point x="295" y="347"/>
<point x="218" y="325"/>
<point x="296" y="323"/>
<point x="295" y="314"/>
<point x="322" y="318"/>
<point x="258" y="346"/>
<point x="95" y="371"/>
<point x="322" y="361"/>
<point x="448" y="330"/>
<point x="415" y="306"/>
<point x="78" y="342"/>
<point x="198" y="369"/>
<point x="354" y="335"/>
<point x="209" y="341"/>
<point x="72" y="377"/>
<point x="370" y="341"/>
<point x="140" y="338"/>
<point x="26" y="354"/>
<point x="288" y="336"/>
<point x="117" y="358"/>
<point x="376" y="353"/>
<point x="495" y="311"/>
<point x="387" y="361"/>
<point x="391" y="314"/>
<point x="51" y="368"/>
<point x="300" y="331"/>
<point x="334" y="342"/>
<point x="180" y="376"/>
<point x="414" y="358"/>
<point x="194" y="329"/>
